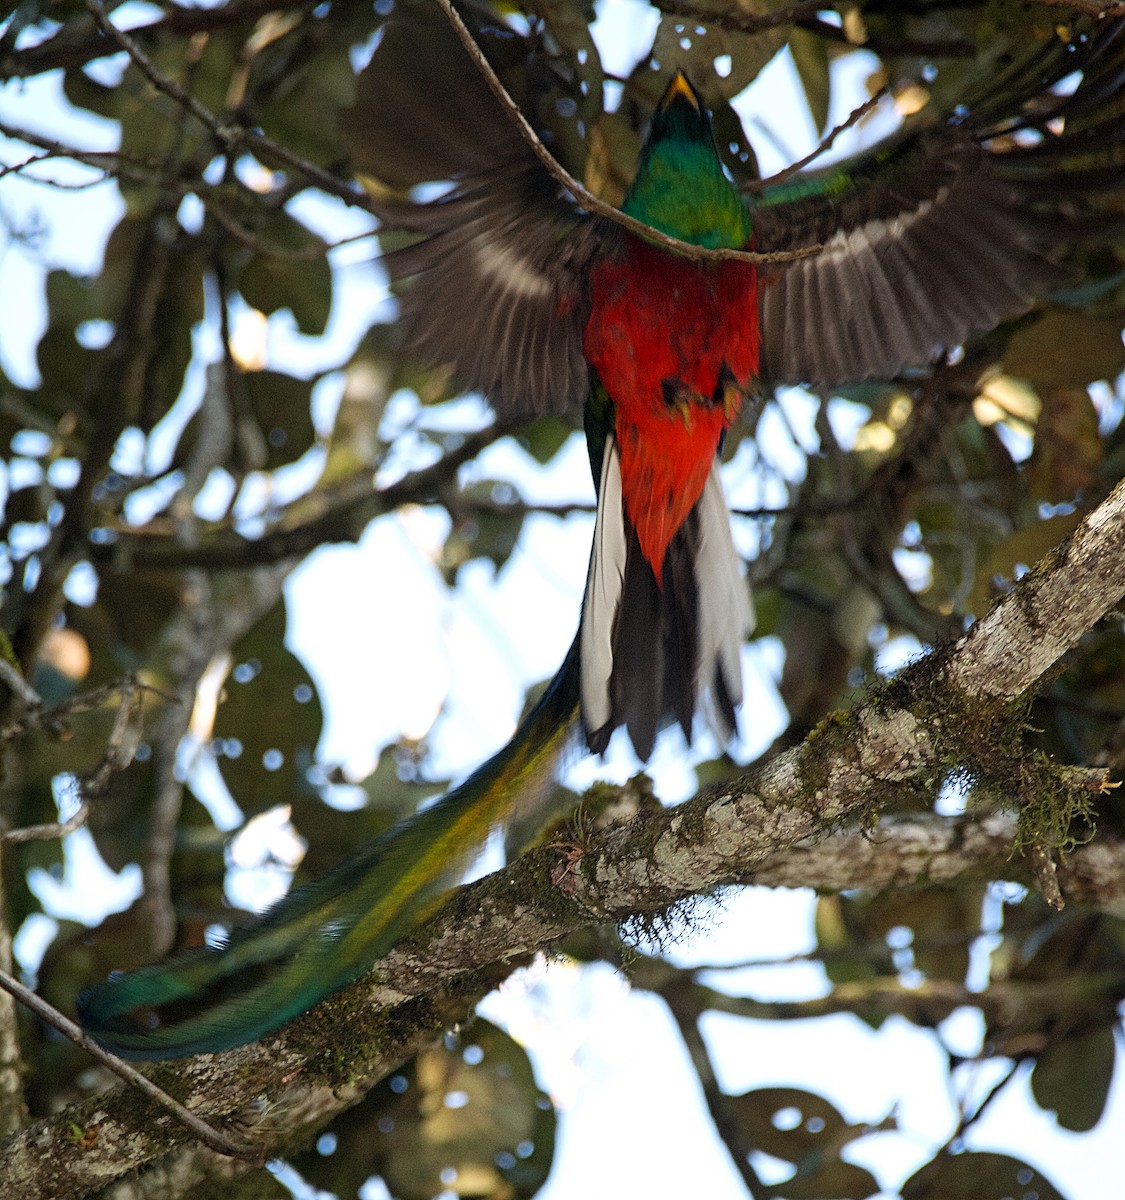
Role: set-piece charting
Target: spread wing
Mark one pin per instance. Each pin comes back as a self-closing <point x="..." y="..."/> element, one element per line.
<point x="495" y="284"/>
<point x="492" y="275"/>
<point x="944" y="232"/>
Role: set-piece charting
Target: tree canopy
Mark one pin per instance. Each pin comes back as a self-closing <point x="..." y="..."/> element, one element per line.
<point x="936" y="561"/>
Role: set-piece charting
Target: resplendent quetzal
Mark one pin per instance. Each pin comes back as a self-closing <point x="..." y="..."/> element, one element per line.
<point x="929" y="238"/>
<point x="941" y="232"/>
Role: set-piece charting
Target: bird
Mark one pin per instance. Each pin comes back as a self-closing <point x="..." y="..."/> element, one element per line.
<point x="938" y="233"/>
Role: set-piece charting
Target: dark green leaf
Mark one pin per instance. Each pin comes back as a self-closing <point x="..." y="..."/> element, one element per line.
<point x="297" y="278"/>
<point x="1071" y="1078"/>
<point x="810" y="56"/>
<point x="394" y="791"/>
<point x="1065" y="348"/>
<point x="978" y="1175"/>
<point x="466" y="1117"/>
<point x="545" y="437"/>
<point x="268" y="721"/>
<point x="805" y="1129"/>
<point x="484" y="531"/>
<point x="281" y="405"/>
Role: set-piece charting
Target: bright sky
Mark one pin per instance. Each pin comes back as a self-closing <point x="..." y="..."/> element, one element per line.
<point x="387" y="657"/>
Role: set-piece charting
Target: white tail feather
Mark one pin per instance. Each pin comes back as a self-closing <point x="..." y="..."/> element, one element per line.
<point x="726" y="610"/>
<point x="603" y="592"/>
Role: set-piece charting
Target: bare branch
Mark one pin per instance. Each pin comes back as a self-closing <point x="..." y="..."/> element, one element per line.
<point x="807" y="16"/>
<point x="1005" y="1001"/>
<point x="11" y="675"/>
<point x="824" y="145"/>
<point x="353" y="505"/>
<point x="45" y="1012"/>
<point x="1092" y="8"/>
<point x="79" y="40"/>
<point x="54" y="719"/>
<point x="233" y="138"/>
<point x="13" y="1107"/>
<point x="728" y="1124"/>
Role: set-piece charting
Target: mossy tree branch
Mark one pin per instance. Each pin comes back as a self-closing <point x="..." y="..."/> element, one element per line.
<point x="948" y="711"/>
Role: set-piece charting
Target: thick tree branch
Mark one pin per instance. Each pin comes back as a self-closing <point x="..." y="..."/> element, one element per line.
<point x="326" y="1060"/>
<point x="1006" y="1003"/>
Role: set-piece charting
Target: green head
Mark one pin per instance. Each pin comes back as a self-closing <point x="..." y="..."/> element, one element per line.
<point x="681" y="187"/>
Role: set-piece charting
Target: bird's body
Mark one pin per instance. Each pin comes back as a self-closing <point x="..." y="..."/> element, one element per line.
<point x="544" y="307"/>
<point x="660" y="343"/>
<point x="673" y="370"/>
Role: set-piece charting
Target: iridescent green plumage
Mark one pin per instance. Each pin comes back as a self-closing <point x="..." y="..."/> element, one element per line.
<point x="330" y="932"/>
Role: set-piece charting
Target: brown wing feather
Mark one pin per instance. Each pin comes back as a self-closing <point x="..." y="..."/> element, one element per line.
<point x="495" y="285"/>
<point x="956" y="228"/>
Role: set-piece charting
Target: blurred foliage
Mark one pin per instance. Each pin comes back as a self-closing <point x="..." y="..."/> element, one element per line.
<point x="465" y="1116"/>
<point x="117" y="558"/>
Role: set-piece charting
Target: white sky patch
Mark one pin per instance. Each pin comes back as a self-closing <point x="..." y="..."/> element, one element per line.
<point x="86" y="890"/>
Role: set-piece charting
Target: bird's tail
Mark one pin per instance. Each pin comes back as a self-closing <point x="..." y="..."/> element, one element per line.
<point x="328" y="933"/>
<point x="654" y="651"/>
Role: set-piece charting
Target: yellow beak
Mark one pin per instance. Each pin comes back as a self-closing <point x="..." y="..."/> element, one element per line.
<point x="680" y="88"/>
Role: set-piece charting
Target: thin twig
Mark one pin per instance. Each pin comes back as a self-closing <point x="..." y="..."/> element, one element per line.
<point x="1092" y="8"/>
<point x="122" y="743"/>
<point x="345" y="521"/>
<point x="585" y="197"/>
<point x="198" y="613"/>
<point x="967" y="1119"/>
<point x="112" y="163"/>
<point x="207" y="1134"/>
<point x="50" y="830"/>
<point x="721" y="1107"/>
<point x="18" y="686"/>
<point x="232" y="137"/>
<point x="853" y="118"/>
<point x="78" y="41"/>
<point x="119" y="752"/>
<point x="54" y="718"/>
<point x="284" y="253"/>
<point x="806" y="15"/>
<point x="745" y="22"/>
<point x="18" y="168"/>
